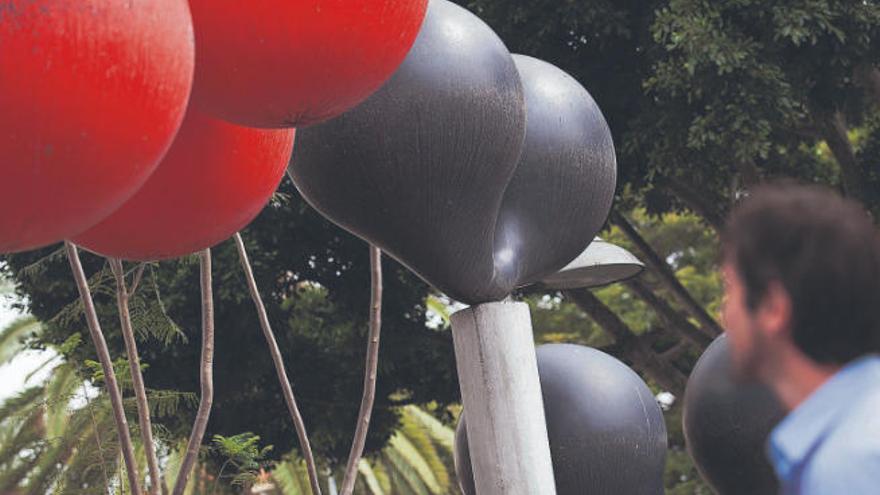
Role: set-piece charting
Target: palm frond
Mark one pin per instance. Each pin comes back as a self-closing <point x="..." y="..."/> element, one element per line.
<point x="23" y="402"/>
<point x="13" y="337"/>
<point x="369" y="477"/>
<point x="405" y="471"/>
<point x="291" y="477"/>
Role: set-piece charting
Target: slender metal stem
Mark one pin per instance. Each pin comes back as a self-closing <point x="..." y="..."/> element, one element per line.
<point x="275" y="352"/>
<point x="138" y="275"/>
<point x="97" y="335"/>
<point x="205" y="375"/>
<point x="137" y="378"/>
<point x="369" y="396"/>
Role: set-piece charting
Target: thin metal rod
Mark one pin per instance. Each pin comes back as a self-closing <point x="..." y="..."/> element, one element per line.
<point x="369" y="396"/>
<point x="206" y="376"/>
<point x="137" y="378"/>
<point x="275" y="352"/>
<point x="138" y="275"/>
<point x="112" y="385"/>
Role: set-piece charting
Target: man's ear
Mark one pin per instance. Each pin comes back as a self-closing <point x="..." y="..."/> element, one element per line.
<point x="775" y="312"/>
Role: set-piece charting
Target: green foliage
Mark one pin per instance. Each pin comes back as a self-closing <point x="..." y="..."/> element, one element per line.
<point x="59" y="436"/>
<point x="47" y="445"/>
<point x="416" y="460"/>
<point x="243" y="453"/>
<point x="703" y="96"/>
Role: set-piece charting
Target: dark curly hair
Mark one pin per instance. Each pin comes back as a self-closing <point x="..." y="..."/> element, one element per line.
<point x="825" y="251"/>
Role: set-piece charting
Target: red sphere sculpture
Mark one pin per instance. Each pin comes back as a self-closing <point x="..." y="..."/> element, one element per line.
<point x="215" y="179"/>
<point x="92" y="93"/>
<point x="283" y="63"/>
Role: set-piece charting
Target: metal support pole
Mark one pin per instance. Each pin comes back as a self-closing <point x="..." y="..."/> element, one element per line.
<point x="501" y="394"/>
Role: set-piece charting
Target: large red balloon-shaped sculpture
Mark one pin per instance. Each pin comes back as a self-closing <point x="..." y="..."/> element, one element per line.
<point x="92" y="93"/>
<point x="215" y="179"/>
<point x="285" y="63"/>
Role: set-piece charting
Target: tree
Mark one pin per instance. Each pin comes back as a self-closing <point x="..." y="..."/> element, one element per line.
<point x="704" y="98"/>
<point x="314" y="279"/>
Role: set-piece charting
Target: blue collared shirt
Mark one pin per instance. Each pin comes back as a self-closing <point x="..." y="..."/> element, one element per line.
<point x="830" y="443"/>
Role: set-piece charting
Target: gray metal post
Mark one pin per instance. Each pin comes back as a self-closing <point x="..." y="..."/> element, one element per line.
<point x="501" y="394"/>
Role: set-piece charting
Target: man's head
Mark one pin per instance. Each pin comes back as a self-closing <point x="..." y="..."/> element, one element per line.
<point x="802" y="273"/>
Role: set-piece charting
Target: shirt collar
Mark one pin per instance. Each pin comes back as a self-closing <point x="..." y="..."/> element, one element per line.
<point x="793" y="440"/>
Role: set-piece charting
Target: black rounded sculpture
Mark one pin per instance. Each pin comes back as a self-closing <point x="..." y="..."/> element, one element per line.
<point x="567" y="172"/>
<point x="726" y="426"/>
<point x="607" y="434"/>
<point x="442" y="170"/>
<point x="420" y="168"/>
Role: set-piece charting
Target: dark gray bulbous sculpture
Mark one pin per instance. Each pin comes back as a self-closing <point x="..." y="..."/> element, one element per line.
<point x="726" y="426"/>
<point x="420" y="168"/>
<point x="564" y="182"/>
<point x="607" y="434"/>
<point x="479" y="171"/>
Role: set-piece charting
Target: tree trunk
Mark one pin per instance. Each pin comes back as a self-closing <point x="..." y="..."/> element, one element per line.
<point x="667" y="277"/>
<point x="643" y="357"/>
<point x="868" y="77"/>
<point x="749" y="173"/>
<point x="706" y="207"/>
<point x="834" y="130"/>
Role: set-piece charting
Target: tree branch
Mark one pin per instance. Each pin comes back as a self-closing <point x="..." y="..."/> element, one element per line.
<point x="644" y="358"/>
<point x="137" y="378"/>
<point x="372" y="361"/>
<point x="666" y="276"/>
<point x="275" y="352"/>
<point x="675" y="320"/>
<point x="106" y="365"/>
<point x="206" y="376"/>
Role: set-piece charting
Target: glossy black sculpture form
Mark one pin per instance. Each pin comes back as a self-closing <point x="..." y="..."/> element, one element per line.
<point x="564" y="183"/>
<point x="429" y="167"/>
<point x="420" y="168"/>
<point x="607" y="434"/>
<point x="726" y="425"/>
